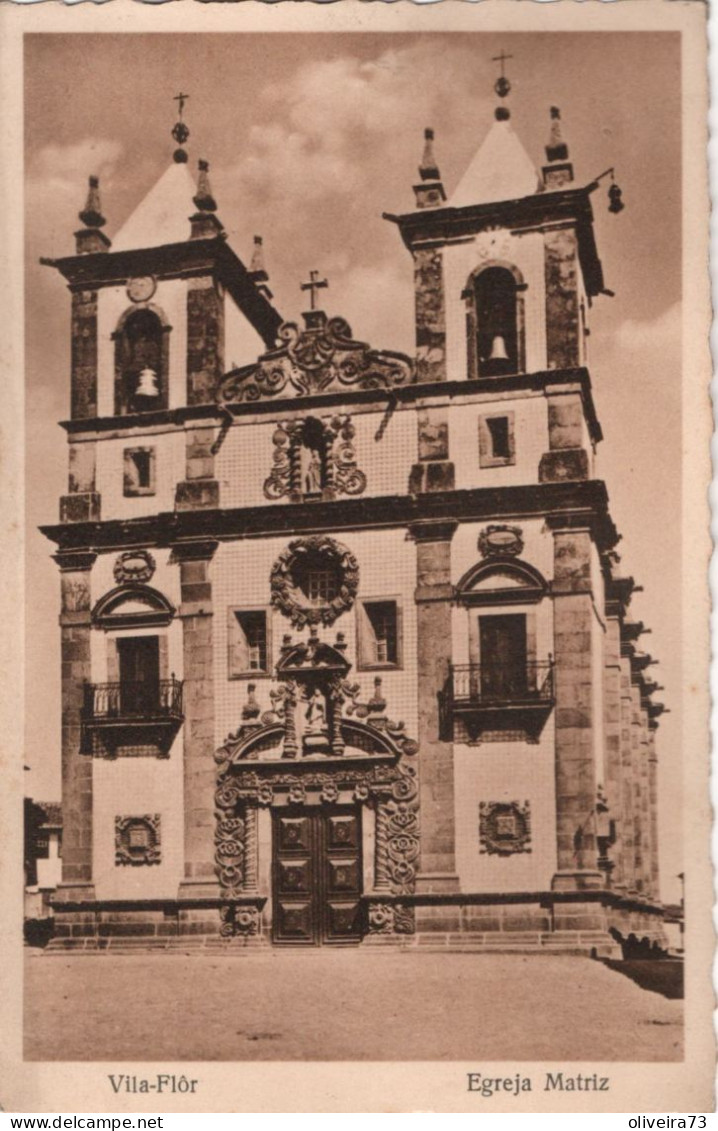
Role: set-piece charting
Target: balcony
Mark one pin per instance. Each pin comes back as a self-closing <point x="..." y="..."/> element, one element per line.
<point x="511" y="697"/>
<point x="131" y="714"/>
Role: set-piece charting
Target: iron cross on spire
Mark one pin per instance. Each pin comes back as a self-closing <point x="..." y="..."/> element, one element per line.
<point x="502" y="86"/>
<point x="182" y="98"/>
<point x="314" y="284"/>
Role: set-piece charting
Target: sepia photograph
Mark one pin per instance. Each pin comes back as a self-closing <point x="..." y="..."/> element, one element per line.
<point x="355" y="490"/>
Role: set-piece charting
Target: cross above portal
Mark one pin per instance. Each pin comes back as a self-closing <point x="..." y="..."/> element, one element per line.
<point x="314" y="284"/>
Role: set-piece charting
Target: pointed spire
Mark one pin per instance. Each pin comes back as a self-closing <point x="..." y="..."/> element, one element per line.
<point x="430" y="193"/>
<point x="559" y="170"/>
<point x="90" y="239"/>
<point x="204" y="199"/>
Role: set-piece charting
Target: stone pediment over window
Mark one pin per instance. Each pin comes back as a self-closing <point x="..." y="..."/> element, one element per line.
<point x="132" y="605"/>
<point x="320" y="358"/>
<point x="501" y="580"/>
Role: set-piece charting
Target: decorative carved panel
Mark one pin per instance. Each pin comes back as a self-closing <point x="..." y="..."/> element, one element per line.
<point x="504" y="827"/>
<point x="134" y="565"/>
<point x="330" y="468"/>
<point x="137" y="839"/>
<point x="501" y="540"/>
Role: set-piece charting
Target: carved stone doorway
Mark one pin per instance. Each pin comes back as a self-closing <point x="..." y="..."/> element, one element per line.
<point x="316" y="875"/>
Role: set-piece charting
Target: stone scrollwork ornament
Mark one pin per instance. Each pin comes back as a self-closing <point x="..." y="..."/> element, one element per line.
<point x="319" y="358"/>
<point x="501" y="541"/>
<point x="134" y="565"/>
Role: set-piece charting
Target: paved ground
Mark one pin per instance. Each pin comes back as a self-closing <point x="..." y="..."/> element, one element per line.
<point x="342" y="1005"/>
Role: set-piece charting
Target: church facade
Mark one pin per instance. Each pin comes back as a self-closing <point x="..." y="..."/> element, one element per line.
<point x="346" y="655"/>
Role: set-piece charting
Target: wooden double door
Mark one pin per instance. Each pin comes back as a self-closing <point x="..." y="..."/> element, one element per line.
<point x="317" y="876"/>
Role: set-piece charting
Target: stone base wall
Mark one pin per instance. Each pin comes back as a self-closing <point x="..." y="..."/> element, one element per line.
<point x="600" y="924"/>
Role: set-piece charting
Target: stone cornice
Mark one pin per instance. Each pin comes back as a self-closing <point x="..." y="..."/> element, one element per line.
<point x="539" y="210"/>
<point x="584" y="503"/>
<point x="176" y="260"/>
<point x="545" y="381"/>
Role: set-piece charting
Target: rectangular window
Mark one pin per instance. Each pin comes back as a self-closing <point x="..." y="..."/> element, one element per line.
<point x="139" y="669"/>
<point x="379" y="634"/>
<point x="248" y="643"/>
<point x="139" y="471"/>
<point x="496" y="440"/>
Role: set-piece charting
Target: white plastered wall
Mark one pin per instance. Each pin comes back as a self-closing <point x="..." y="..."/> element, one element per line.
<point x="135" y="786"/>
<point x="505" y="771"/>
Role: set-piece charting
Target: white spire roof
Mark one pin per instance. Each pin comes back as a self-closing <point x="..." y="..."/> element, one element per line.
<point x="163" y="215"/>
<point x="501" y="170"/>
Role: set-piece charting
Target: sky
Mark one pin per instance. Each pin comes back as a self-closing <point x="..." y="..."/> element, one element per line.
<point x="310" y="137"/>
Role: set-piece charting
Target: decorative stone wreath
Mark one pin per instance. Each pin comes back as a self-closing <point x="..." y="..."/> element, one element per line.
<point x="288" y="597"/>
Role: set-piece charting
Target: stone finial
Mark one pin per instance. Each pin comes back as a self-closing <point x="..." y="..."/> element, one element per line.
<point x="90" y="239"/>
<point x="377" y="703"/>
<point x="204" y="200"/>
<point x="559" y="170"/>
<point x="251" y="708"/>
<point x="91" y="214"/>
<point x="256" y="267"/>
<point x="430" y="193"/>
<point x="556" y="150"/>
<point x="428" y="169"/>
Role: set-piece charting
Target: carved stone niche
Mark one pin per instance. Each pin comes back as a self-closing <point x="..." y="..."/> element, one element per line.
<point x="137" y="839"/>
<point x="314" y="459"/>
<point x="504" y="827"/>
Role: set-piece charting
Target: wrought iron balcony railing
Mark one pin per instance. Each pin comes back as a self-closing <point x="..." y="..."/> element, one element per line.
<point x="497" y="685"/>
<point x="133" y="701"/>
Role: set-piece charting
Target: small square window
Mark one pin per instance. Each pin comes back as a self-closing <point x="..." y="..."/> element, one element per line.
<point x="379" y="636"/>
<point x="249" y="650"/>
<point x="139" y="471"/>
<point x="496" y="440"/>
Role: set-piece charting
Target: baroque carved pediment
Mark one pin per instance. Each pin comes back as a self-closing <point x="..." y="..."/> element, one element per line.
<point x="321" y="357"/>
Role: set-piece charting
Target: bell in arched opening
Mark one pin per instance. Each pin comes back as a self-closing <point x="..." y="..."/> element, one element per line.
<point x="139" y="360"/>
<point x="496" y="309"/>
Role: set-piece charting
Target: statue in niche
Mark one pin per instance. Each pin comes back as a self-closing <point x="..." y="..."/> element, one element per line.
<point x="311" y="471"/>
<point x="316" y="734"/>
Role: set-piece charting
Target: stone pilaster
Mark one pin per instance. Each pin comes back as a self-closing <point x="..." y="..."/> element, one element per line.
<point x="82" y="503"/>
<point x="434" y="591"/>
<point x="205" y="340"/>
<point x="562" y="305"/>
<point x="75" y="628"/>
<point x="613" y="779"/>
<point x="83" y="358"/>
<point x="645" y="753"/>
<point x="434" y="470"/>
<point x="566" y="458"/>
<point x="430" y="311"/>
<point x="636" y="756"/>
<point x="628" y="855"/>
<point x="653" y="797"/>
<point x="196" y="613"/>
<point x="574" y="624"/>
<point x="199" y="490"/>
